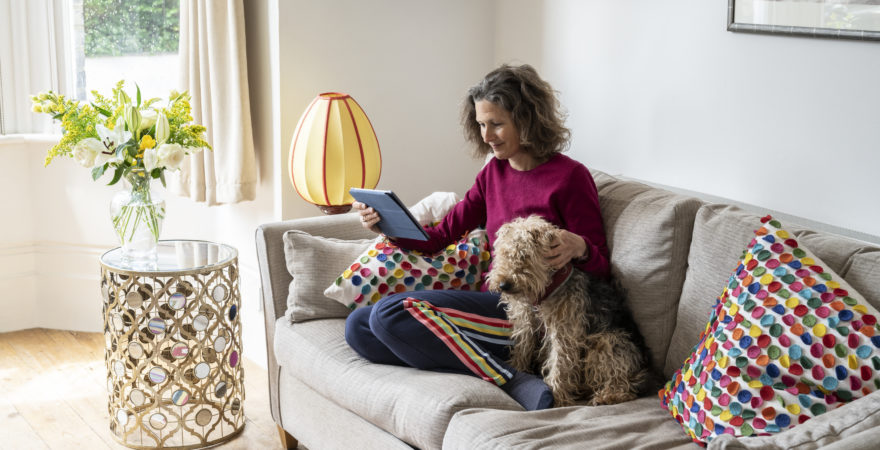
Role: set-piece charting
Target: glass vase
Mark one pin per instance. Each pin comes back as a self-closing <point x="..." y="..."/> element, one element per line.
<point x="137" y="214"/>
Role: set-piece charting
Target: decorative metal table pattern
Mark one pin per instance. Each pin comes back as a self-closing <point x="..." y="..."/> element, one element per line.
<point x="173" y="350"/>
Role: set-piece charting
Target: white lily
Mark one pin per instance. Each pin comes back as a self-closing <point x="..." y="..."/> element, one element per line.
<point x="171" y="156"/>
<point x="86" y="152"/>
<point x="151" y="159"/>
<point x="132" y="117"/>
<point x="163" y="130"/>
<point x="112" y="138"/>
<point x="148" y="118"/>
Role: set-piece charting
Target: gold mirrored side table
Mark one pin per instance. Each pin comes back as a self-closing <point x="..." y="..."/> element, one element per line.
<point x="173" y="346"/>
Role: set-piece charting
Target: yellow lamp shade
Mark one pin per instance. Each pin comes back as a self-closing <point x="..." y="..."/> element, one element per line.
<point x="334" y="148"/>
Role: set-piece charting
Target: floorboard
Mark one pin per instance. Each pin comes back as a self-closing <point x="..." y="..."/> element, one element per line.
<point x="53" y="394"/>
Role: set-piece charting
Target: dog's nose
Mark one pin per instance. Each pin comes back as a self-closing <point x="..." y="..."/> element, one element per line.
<point x="505" y="286"/>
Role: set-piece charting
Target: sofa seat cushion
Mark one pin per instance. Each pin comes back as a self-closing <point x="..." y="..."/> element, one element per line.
<point x="637" y="424"/>
<point x="412" y="404"/>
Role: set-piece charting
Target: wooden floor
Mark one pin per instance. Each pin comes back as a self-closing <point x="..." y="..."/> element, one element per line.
<point x="53" y="394"/>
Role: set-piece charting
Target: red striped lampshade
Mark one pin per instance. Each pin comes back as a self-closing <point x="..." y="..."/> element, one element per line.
<point x="334" y="148"/>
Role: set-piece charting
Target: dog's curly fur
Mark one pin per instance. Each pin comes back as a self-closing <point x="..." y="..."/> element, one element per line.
<point x="582" y="339"/>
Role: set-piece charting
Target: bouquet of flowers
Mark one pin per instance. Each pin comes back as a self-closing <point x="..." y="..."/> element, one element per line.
<point x="137" y="140"/>
<point x="115" y="133"/>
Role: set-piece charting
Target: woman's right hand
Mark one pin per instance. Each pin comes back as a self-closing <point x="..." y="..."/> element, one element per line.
<point x="369" y="216"/>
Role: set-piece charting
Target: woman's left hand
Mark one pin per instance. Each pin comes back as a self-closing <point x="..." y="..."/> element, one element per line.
<point x="564" y="248"/>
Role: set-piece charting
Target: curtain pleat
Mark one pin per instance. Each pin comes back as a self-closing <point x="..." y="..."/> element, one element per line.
<point x="214" y="70"/>
<point x="36" y="39"/>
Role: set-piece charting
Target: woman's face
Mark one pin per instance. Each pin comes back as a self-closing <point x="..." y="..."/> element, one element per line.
<point x="498" y="130"/>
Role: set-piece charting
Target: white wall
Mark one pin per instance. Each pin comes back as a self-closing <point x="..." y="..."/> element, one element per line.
<point x="662" y="92"/>
<point x="407" y="63"/>
<point x="49" y="241"/>
<point x="17" y="249"/>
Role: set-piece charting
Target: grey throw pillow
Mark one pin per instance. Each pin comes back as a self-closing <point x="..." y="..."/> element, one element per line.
<point x="314" y="262"/>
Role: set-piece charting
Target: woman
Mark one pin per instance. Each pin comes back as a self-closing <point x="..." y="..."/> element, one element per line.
<point x="513" y="114"/>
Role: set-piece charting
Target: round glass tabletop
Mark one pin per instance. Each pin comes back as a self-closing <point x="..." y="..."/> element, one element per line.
<point x="174" y="256"/>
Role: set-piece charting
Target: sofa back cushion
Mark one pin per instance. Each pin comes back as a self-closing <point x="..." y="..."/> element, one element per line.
<point x="863" y="273"/>
<point x="649" y="233"/>
<point x="721" y="233"/>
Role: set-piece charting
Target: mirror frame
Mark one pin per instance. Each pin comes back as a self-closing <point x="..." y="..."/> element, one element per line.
<point x="832" y="33"/>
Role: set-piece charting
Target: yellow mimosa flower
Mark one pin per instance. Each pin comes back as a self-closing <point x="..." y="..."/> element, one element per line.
<point x="147" y="142"/>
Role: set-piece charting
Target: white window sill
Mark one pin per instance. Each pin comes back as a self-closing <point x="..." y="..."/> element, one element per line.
<point x="12" y="139"/>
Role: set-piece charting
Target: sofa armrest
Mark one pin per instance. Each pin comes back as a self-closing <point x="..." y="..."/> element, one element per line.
<point x="275" y="279"/>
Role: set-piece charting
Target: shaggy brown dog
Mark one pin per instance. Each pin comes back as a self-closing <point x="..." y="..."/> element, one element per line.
<point x="573" y="328"/>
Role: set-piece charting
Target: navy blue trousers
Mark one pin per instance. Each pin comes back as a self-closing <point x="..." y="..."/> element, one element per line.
<point x="447" y="331"/>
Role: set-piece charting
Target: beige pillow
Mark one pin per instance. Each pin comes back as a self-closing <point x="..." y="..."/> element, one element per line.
<point x="314" y="262"/>
<point x="434" y="207"/>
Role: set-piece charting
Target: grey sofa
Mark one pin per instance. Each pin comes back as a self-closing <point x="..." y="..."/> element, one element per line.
<point x="673" y="252"/>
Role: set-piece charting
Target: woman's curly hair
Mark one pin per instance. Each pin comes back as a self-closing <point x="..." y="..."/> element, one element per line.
<point x="532" y="104"/>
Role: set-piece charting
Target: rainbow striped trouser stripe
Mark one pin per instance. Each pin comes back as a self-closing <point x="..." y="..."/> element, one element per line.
<point x="449" y="331"/>
<point x="460" y="332"/>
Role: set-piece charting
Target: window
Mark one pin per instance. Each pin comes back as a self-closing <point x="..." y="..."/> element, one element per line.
<point x="76" y="46"/>
<point x="134" y="40"/>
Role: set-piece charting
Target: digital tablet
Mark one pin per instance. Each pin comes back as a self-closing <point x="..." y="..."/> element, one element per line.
<point x="397" y="221"/>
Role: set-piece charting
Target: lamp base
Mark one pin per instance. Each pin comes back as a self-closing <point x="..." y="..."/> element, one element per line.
<point x="334" y="209"/>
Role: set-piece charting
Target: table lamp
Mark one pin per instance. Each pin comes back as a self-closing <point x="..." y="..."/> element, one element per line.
<point x="334" y="148"/>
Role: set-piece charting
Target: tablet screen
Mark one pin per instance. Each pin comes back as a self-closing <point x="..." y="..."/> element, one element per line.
<point x="397" y="221"/>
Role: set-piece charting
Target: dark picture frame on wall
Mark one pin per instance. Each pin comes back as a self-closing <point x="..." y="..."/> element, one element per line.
<point x="836" y="19"/>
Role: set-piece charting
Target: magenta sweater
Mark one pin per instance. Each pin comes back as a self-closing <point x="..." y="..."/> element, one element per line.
<point x="561" y="191"/>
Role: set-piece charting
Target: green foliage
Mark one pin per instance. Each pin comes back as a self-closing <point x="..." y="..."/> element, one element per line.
<point x="77" y="121"/>
<point x="178" y="118"/>
<point x="124" y="27"/>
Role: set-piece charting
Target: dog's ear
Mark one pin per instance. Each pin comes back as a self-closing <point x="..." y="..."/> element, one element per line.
<point x="540" y="230"/>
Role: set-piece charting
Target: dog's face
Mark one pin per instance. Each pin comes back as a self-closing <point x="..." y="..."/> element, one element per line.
<point x="519" y="267"/>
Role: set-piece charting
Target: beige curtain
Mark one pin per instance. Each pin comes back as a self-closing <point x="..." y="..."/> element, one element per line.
<point x="36" y="49"/>
<point x="214" y="70"/>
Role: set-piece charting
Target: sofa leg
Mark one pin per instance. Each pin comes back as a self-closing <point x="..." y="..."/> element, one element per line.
<point x="287" y="441"/>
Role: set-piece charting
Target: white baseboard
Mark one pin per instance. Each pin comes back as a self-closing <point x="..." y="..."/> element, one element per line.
<point x="50" y="285"/>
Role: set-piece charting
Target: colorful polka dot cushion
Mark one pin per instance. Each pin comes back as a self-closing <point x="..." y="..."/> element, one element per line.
<point x="787" y="340"/>
<point x="385" y="269"/>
